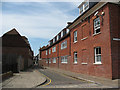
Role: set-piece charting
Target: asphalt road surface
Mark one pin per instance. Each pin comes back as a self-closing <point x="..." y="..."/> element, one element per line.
<point x="55" y="79"/>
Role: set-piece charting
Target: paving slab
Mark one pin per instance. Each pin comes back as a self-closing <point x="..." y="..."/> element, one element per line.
<point x="29" y="79"/>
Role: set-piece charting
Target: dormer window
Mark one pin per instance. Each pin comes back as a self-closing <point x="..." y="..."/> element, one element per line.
<point x="81" y="9"/>
<point x="57" y="37"/>
<point x="62" y="34"/>
<point x="67" y="30"/>
<point x="86" y="6"/>
<point x="54" y="40"/>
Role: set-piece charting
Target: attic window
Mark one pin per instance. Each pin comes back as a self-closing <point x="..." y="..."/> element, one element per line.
<point x="81" y="9"/>
<point x="86" y="6"/>
<point x="62" y="34"/>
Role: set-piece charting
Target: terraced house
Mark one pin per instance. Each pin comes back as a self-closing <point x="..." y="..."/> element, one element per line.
<point x="90" y="44"/>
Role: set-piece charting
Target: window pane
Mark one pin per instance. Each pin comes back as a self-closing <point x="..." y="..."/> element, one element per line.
<point x="98" y="30"/>
<point x="99" y="58"/>
<point x="99" y="50"/>
<point x="96" y="50"/>
<point x="97" y="25"/>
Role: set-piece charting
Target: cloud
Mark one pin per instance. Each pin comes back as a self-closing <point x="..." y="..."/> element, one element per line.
<point x="42" y="0"/>
<point x="35" y="23"/>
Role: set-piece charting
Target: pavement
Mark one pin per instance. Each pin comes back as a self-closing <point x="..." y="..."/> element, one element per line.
<point x="100" y="82"/>
<point x="27" y="79"/>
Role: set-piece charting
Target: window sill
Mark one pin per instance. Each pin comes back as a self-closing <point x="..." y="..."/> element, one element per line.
<point x="75" y="42"/>
<point x="97" y="63"/>
<point x="75" y="63"/>
<point x="96" y="34"/>
<point x="64" y="62"/>
<point x="84" y="63"/>
<point x="84" y="38"/>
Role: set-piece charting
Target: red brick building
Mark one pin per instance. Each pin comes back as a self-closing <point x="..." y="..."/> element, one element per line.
<point x="16" y="52"/>
<point x="93" y="41"/>
<point x="57" y="53"/>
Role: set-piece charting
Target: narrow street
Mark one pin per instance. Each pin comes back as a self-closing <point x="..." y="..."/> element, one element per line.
<point x="55" y="79"/>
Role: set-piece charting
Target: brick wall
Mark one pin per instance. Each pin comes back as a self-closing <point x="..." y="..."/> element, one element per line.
<point x="114" y="11"/>
<point x="87" y="41"/>
<point x="85" y="48"/>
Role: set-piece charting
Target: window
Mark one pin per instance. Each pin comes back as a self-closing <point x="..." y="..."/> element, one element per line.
<point x="62" y="34"/>
<point x="54" y="60"/>
<point x="98" y="55"/>
<point x="75" y="36"/>
<point x="49" y="60"/>
<point x="81" y="9"/>
<point x="97" y="25"/>
<point x="54" y="49"/>
<point x="54" y="40"/>
<point x="75" y="57"/>
<point x="46" y="52"/>
<point x="57" y="37"/>
<point x="49" y="51"/>
<point x="64" y="45"/>
<point x="64" y="59"/>
<point x="67" y="30"/>
<point x="86" y="6"/>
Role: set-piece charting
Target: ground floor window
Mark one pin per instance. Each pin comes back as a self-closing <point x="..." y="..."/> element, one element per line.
<point x="54" y="60"/>
<point x="63" y="59"/>
<point x="97" y="54"/>
<point x="49" y="60"/>
<point x="75" y="57"/>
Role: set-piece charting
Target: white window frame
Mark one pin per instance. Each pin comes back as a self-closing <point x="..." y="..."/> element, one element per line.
<point x="46" y="52"/>
<point x="96" y="26"/>
<point x="57" y="37"/>
<point x="54" y="60"/>
<point x="61" y="34"/>
<point x="64" y="45"/>
<point x="97" y="61"/>
<point x="86" y="6"/>
<point x="75" y="36"/>
<point x="64" y="59"/>
<point x="68" y="30"/>
<point x="75" y="58"/>
<point x="54" y="49"/>
<point x="81" y="10"/>
<point x="53" y="40"/>
<point x="49" y="51"/>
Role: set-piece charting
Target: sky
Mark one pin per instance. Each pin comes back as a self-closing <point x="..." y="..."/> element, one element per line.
<point x="38" y="21"/>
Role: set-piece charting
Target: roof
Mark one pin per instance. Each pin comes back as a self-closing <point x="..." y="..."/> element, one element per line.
<point x="13" y="32"/>
<point x="47" y="47"/>
<point x="13" y="39"/>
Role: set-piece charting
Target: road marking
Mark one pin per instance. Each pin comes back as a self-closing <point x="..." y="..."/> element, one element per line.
<point x="47" y="78"/>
